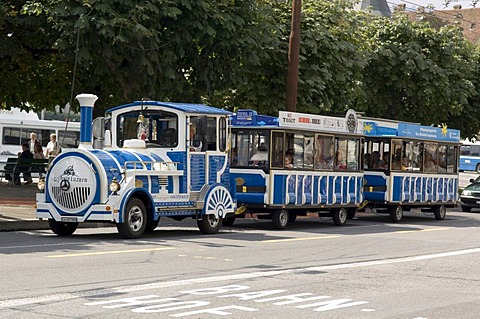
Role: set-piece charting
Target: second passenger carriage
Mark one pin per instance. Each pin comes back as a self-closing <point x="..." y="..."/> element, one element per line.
<point x="283" y="167"/>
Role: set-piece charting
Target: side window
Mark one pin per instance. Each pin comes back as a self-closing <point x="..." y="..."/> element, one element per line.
<point x="377" y="155"/>
<point x="323" y="152"/>
<point x="308" y="151"/>
<point x="11" y="136"/>
<point x="414" y="156"/>
<point x="398" y="157"/>
<point x="442" y="159"/>
<point x="430" y="158"/>
<point x="465" y="150"/>
<point x="278" y="152"/>
<point x="211" y="135"/>
<point x="222" y="134"/>
<point x="340" y="158"/>
<point x="452" y="164"/>
<point x="250" y="148"/>
<point x="353" y="148"/>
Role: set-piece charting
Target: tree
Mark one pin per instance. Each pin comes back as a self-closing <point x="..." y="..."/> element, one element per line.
<point x="31" y="70"/>
<point x="182" y="50"/>
<point x="416" y="73"/>
<point x="331" y="60"/>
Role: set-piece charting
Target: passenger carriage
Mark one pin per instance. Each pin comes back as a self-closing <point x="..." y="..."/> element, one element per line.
<point x="410" y="166"/>
<point x="147" y="168"/>
<point x="296" y="163"/>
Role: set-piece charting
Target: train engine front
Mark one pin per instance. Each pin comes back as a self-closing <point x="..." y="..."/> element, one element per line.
<point x="134" y="184"/>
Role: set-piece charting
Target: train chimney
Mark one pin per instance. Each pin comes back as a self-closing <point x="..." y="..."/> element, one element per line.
<point x="86" y="114"/>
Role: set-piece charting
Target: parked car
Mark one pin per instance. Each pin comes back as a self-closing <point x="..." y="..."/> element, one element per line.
<point x="470" y="197"/>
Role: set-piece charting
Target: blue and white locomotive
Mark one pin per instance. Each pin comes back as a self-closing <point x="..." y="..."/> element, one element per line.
<point x="156" y="159"/>
<point x="296" y="163"/>
<point x="410" y="166"/>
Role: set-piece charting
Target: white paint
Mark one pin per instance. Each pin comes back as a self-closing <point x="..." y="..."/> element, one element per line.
<point x="171" y="306"/>
<point x="214" y="311"/>
<point x="225" y="278"/>
<point x="290" y="299"/>
<point x="253" y="295"/>
<point x="129" y="302"/>
<point x="333" y="304"/>
<point x="215" y="290"/>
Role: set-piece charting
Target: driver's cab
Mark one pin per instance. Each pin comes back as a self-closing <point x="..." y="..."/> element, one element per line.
<point x="193" y="136"/>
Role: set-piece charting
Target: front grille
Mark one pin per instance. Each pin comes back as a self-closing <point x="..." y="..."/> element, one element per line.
<point x="73" y="199"/>
<point x="476" y="194"/>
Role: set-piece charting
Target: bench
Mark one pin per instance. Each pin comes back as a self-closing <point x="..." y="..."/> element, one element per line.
<point x="16" y="165"/>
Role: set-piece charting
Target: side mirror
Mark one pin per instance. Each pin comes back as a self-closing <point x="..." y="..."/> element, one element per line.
<point x="472" y="180"/>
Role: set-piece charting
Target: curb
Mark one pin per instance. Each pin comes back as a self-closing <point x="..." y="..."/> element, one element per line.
<point x="33" y="224"/>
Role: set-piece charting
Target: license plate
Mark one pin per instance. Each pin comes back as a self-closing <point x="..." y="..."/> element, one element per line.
<point x="478" y="202"/>
<point x="69" y="219"/>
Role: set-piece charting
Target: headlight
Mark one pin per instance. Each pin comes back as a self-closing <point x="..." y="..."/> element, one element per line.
<point x="41" y="184"/>
<point x="114" y="185"/>
<point x="467" y="192"/>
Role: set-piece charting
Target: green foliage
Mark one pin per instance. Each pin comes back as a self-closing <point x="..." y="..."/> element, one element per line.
<point x="331" y="59"/>
<point x="31" y="71"/>
<point x="234" y="54"/>
<point x="419" y="74"/>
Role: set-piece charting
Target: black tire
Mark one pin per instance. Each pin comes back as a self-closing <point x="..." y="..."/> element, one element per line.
<point x="396" y="214"/>
<point x="280" y="218"/>
<point x="339" y="216"/>
<point x="135" y="221"/>
<point x="440" y="212"/>
<point x="229" y="220"/>
<point x="62" y="229"/>
<point x="477" y="168"/>
<point x="209" y="224"/>
<point x="466" y="209"/>
<point x="152" y="224"/>
<point x="292" y="217"/>
<point x="351" y="213"/>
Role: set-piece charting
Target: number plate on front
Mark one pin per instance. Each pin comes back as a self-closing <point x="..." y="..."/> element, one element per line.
<point x="69" y="219"/>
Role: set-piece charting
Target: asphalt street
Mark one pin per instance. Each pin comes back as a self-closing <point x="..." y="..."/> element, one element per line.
<point x="371" y="268"/>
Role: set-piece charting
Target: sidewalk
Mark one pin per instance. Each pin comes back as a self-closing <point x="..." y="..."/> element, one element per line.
<point x="17" y="208"/>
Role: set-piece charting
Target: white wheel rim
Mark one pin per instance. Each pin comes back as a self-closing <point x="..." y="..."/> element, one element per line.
<point x="135" y="218"/>
<point x="283" y="218"/>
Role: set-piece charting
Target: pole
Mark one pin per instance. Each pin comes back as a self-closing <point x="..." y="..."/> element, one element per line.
<point x="293" y="57"/>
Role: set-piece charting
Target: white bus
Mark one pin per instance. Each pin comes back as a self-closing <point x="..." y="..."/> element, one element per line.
<point x="16" y="126"/>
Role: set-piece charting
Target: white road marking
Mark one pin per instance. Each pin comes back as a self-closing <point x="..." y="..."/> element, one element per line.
<point x="226" y="278"/>
<point x="96" y="253"/>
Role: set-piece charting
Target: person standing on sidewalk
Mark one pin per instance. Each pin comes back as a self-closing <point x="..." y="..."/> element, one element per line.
<point x="33" y="141"/>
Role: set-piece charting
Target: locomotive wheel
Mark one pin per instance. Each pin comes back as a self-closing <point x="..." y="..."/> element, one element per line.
<point x="440" y="212"/>
<point x="280" y="218"/>
<point x="229" y="220"/>
<point x="209" y="224"/>
<point x="396" y="214"/>
<point x="339" y="216"/>
<point x="62" y="229"/>
<point x="135" y="219"/>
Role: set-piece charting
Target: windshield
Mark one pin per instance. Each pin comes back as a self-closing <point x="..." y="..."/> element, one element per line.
<point x="156" y="128"/>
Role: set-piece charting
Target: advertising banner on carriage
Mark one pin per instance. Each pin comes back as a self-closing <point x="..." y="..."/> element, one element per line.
<point x="348" y="124"/>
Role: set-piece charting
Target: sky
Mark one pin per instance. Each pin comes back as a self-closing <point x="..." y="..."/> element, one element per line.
<point x="439" y="4"/>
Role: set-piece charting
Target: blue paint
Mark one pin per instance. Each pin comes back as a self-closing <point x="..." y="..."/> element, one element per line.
<point x="86" y="114"/>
